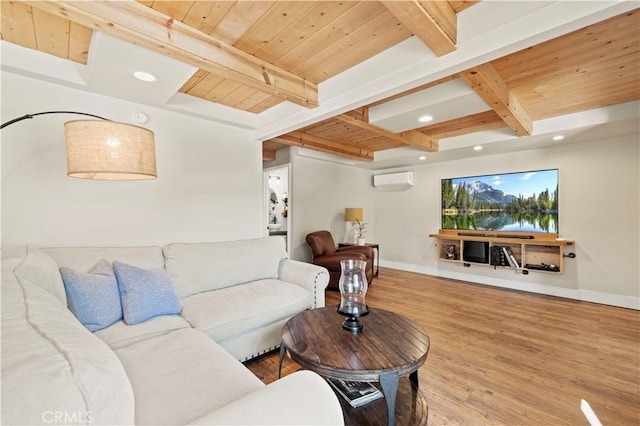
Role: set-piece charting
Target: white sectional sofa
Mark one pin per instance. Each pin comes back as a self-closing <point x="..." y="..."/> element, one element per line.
<point x="170" y="369"/>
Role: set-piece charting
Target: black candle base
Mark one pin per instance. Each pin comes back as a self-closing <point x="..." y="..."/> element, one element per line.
<point x="352" y="323"/>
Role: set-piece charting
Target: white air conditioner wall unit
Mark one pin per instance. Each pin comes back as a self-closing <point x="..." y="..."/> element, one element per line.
<point x="400" y="180"/>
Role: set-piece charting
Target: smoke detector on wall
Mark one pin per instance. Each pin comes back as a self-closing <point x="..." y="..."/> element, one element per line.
<point x="140" y="117"/>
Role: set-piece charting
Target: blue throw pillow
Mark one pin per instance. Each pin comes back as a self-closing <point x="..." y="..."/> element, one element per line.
<point x="93" y="297"/>
<point x="145" y="293"/>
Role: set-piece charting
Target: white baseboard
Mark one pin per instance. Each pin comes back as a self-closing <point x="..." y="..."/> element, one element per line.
<point x="530" y="286"/>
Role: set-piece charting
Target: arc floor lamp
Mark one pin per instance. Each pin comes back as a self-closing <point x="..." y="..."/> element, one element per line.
<point x="104" y="149"/>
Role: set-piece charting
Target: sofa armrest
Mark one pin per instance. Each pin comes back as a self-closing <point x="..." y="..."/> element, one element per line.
<point x="301" y="398"/>
<point x="311" y="277"/>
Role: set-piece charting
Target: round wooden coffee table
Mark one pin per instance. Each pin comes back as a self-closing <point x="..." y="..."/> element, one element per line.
<point x="389" y="346"/>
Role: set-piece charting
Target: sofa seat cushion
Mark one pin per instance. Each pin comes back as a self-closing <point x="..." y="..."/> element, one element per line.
<point x="121" y="334"/>
<point x="236" y="310"/>
<point x="300" y="398"/>
<point x="53" y="366"/>
<point x="181" y="376"/>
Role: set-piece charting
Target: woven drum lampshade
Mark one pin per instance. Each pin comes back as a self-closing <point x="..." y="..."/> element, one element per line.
<point x="107" y="150"/>
<point x="351" y="214"/>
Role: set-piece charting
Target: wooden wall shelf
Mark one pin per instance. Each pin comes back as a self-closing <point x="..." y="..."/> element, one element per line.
<point x="530" y="250"/>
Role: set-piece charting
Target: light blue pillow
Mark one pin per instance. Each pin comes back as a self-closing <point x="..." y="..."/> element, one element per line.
<point x="93" y="297"/>
<point x="145" y="293"/>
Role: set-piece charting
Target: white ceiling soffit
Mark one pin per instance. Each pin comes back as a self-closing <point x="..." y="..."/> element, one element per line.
<point x="108" y="72"/>
<point x="112" y="60"/>
<point x="111" y="64"/>
<point x="453" y="99"/>
<point x="31" y="63"/>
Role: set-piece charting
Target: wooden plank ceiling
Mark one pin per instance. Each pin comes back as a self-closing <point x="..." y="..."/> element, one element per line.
<point x="594" y="67"/>
<point x="253" y="55"/>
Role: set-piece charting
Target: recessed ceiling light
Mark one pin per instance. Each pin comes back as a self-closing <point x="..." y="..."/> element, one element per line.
<point x="558" y="137"/>
<point x="145" y="76"/>
<point x="425" y="118"/>
<point x="422" y="157"/>
<point x="477" y="148"/>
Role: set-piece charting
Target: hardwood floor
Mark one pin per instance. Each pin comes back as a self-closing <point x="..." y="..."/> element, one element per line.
<point x="504" y="357"/>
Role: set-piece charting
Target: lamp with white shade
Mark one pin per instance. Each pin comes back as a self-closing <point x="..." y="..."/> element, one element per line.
<point x="104" y="149"/>
<point x="355" y="216"/>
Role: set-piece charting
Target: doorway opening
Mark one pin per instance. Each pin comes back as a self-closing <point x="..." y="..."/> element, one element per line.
<point x="277" y="202"/>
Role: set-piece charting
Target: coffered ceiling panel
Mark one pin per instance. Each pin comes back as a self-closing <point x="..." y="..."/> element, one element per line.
<point x="590" y="68"/>
<point x="315" y="40"/>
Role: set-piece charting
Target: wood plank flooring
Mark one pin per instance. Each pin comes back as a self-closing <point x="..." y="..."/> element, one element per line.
<point x="504" y="357"/>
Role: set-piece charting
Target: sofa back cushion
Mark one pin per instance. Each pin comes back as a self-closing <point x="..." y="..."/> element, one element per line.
<point x="198" y="267"/>
<point x="85" y="258"/>
<point x="54" y="370"/>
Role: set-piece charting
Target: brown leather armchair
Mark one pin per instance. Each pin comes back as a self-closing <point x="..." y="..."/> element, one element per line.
<point x="326" y="254"/>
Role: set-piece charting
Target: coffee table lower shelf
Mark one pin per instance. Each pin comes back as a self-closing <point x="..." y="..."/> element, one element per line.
<point x="411" y="408"/>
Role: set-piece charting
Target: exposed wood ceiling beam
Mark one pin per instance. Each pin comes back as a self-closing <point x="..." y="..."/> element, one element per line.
<point x="268" y="154"/>
<point x="361" y="113"/>
<point x="320" y="144"/>
<point x="487" y="83"/>
<point x="269" y="149"/>
<point x="148" y="28"/>
<point x="411" y="137"/>
<point x="460" y="5"/>
<point x="433" y="22"/>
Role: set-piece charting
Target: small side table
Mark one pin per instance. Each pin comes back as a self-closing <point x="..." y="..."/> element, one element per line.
<point x="376" y="247"/>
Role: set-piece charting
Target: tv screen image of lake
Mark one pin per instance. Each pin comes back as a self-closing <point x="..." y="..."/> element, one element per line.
<point x="515" y="202"/>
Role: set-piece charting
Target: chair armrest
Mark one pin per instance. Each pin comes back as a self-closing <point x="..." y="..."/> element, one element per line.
<point x="301" y="398"/>
<point x="311" y="277"/>
<point x="367" y="251"/>
<point x="332" y="261"/>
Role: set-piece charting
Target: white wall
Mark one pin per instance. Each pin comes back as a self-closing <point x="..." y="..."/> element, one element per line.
<point x="209" y="185"/>
<point x="599" y="209"/>
<point x="320" y="192"/>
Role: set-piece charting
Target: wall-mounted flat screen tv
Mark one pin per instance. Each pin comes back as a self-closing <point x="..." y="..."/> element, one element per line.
<point x="514" y="202"/>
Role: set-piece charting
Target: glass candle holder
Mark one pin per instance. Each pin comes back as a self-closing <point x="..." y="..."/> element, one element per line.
<point x="353" y="290"/>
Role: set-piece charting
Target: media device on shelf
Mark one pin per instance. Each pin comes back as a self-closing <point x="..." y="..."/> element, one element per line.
<point x="475" y="251"/>
<point x="520" y="202"/>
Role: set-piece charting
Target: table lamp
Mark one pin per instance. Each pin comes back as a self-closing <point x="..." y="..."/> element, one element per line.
<point x="353" y="215"/>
